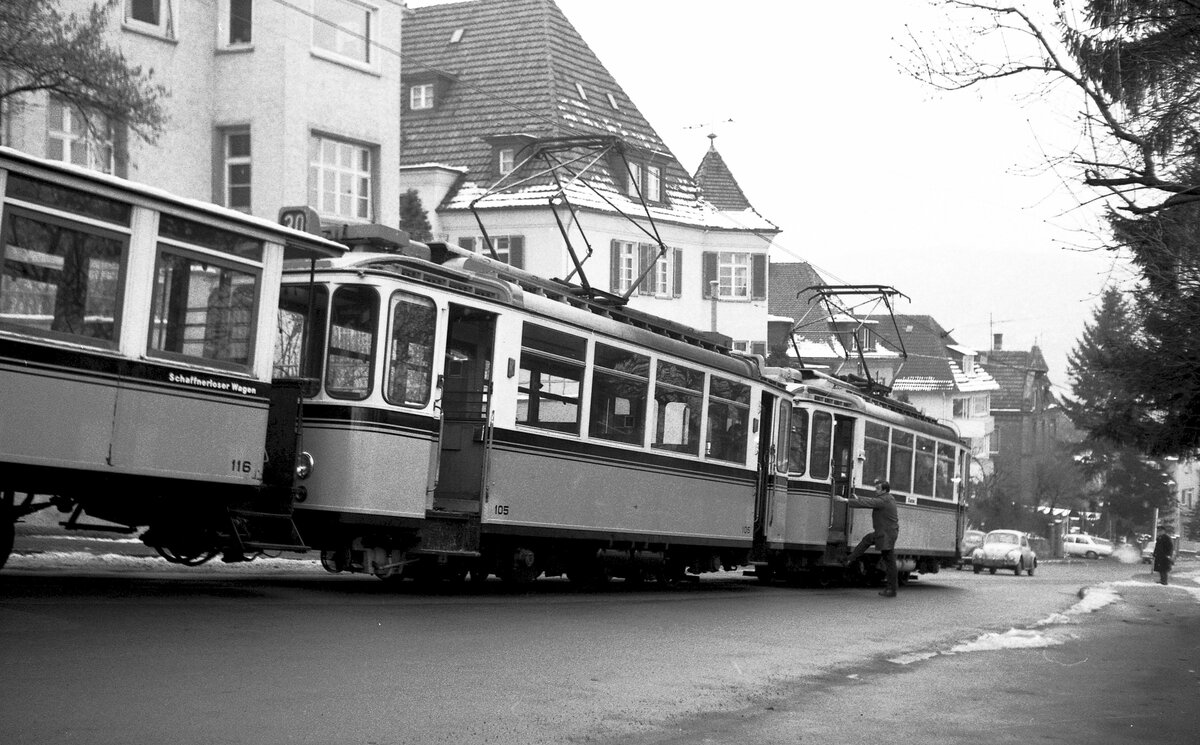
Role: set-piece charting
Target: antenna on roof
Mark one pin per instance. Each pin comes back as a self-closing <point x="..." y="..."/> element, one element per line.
<point x="712" y="130"/>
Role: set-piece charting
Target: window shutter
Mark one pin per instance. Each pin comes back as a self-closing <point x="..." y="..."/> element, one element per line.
<point x="708" y="273"/>
<point x="758" y="277"/>
<point x="516" y="251"/>
<point x="614" y="267"/>
<point x="677" y="284"/>
<point x="467" y="243"/>
<point x="645" y="257"/>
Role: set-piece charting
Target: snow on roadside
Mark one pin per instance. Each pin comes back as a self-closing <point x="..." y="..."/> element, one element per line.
<point x="1091" y="599"/>
<point x="55" y="560"/>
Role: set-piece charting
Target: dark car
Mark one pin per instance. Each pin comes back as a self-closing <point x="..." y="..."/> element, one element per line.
<point x="971" y="540"/>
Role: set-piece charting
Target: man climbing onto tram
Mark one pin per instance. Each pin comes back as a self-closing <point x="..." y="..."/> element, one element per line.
<point x="885" y="521"/>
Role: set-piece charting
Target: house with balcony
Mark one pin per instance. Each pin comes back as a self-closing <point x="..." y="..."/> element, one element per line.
<point x="271" y="104"/>
<point x="522" y="145"/>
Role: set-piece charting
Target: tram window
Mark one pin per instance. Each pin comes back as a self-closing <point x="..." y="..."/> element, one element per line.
<point x="678" y="398"/>
<point x="68" y="200"/>
<point x="822" y="444"/>
<point x="620" y="386"/>
<point x="292" y="359"/>
<point x="945" y="472"/>
<point x="902" y="461"/>
<point x="218" y="239"/>
<point x="728" y="417"/>
<point x="410" y="350"/>
<point x="203" y="309"/>
<point x="781" y="439"/>
<point x="60" y="277"/>
<point x="352" y="324"/>
<point x="923" y="472"/>
<point x="551" y="379"/>
<point x="875" y="449"/>
<point x="798" y="442"/>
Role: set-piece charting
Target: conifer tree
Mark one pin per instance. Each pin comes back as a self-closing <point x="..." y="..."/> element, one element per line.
<point x="413" y="219"/>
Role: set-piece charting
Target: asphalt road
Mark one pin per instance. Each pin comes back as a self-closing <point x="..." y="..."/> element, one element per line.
<point x="281" y="652"/>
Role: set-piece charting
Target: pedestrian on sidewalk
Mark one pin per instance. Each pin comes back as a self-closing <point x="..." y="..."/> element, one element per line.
<point x="885" y="521"/>
<point x="1164" y="553"/>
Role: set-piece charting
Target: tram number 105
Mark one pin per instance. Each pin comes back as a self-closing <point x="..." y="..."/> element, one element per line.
<point x="500" y="509"/>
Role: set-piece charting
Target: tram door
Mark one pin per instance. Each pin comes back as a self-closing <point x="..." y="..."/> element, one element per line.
<point x="465" y="441"/>
<point x="842" y="478"/>
<point x="764" y="493"/>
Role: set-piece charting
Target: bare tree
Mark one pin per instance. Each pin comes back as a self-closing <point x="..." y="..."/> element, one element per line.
<point x="1134" y="63"/>
<point x="41" y="49"/>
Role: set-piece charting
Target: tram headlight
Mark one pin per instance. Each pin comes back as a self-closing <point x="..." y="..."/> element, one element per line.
<point x="304" y="465"/>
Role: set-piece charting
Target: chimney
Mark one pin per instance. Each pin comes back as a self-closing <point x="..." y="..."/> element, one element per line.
<point x="997" y="342"/>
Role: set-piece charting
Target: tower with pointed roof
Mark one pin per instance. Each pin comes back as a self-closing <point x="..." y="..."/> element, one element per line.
<point x="520" y="142"/>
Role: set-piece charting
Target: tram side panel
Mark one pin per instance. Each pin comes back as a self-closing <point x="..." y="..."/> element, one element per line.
<point x="601" y="493"/>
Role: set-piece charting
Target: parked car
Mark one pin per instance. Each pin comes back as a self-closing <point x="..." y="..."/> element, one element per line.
<point x="1087" y="546"/>
<point x="971" y="540"/>
<point x="1004" y="549"/>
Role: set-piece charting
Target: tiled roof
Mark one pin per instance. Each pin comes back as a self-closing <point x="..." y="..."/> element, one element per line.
<point x="1010" y="368"/>
<point x="786" y="280"/>
<point x="931" y="365"/>
<point x="717" y="183"/>
<point x="518" y="67"/>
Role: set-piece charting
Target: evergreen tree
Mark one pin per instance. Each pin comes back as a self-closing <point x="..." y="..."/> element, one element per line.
<point x="68" y="56"/>
<point x="413" y="219"/>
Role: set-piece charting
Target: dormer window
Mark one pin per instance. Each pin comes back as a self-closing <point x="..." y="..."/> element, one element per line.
<point x="645" y="181"/>
<point x="506" y="160"/>
<point x="456" y="36"/>
<point x="420" y="97"/>
<point x="612" y="101"/>
<point x="582" y="93"/>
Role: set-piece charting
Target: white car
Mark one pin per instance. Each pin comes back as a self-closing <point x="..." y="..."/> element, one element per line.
<point x="1087" y="546"/>
<point x="1004" y="549"/>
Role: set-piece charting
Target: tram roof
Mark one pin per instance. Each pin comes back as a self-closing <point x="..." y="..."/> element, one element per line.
<point x="824" y="388"/>
<point x="465" y="272"/>
<point x="297" y="244"/>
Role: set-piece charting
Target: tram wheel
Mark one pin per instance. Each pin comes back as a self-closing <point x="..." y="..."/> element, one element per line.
<point x="186" y="557"/>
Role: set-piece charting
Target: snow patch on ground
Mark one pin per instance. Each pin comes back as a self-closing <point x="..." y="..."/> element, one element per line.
<point x="1091" y="599"/>
<point x="78" y="559"/>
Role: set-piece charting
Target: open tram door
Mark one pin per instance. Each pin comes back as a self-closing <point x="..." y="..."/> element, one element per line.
<point x="841" y="485"/>
<point x="463" y="451"/>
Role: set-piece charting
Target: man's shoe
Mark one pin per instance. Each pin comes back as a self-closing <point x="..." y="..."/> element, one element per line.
<point x="887" y="593"/>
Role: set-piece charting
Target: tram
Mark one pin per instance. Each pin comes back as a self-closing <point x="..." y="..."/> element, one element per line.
<point x="475" y="418"/>
<point x="842" y="438"/>
<point x="136" y="339"/>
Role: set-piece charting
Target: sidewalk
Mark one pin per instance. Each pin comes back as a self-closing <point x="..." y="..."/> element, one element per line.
<point x="1123" y="666"/>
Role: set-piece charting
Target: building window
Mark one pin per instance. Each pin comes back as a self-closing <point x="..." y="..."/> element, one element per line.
<point x="582" y="93"/>
<point x="624" y="268"/>
<point x="506" y="160"/>
<point x="340" y="180"/>
<point x="155" y="16"/>
<point x="71" y="139"/>
<point x="420" y="97"/>
<point x="240" y="22"/>
<point x="634" y="187"/>
<point x="237" y="169"/>
<point x="612" y="101"/>
<point x="343" y="28"/>
<point x="961" y="408"/>
<point x="653" y="184"/>
<point x="734" y="275"/>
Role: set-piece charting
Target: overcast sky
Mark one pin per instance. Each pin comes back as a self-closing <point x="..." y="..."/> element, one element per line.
<point x="872" y="177"/>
